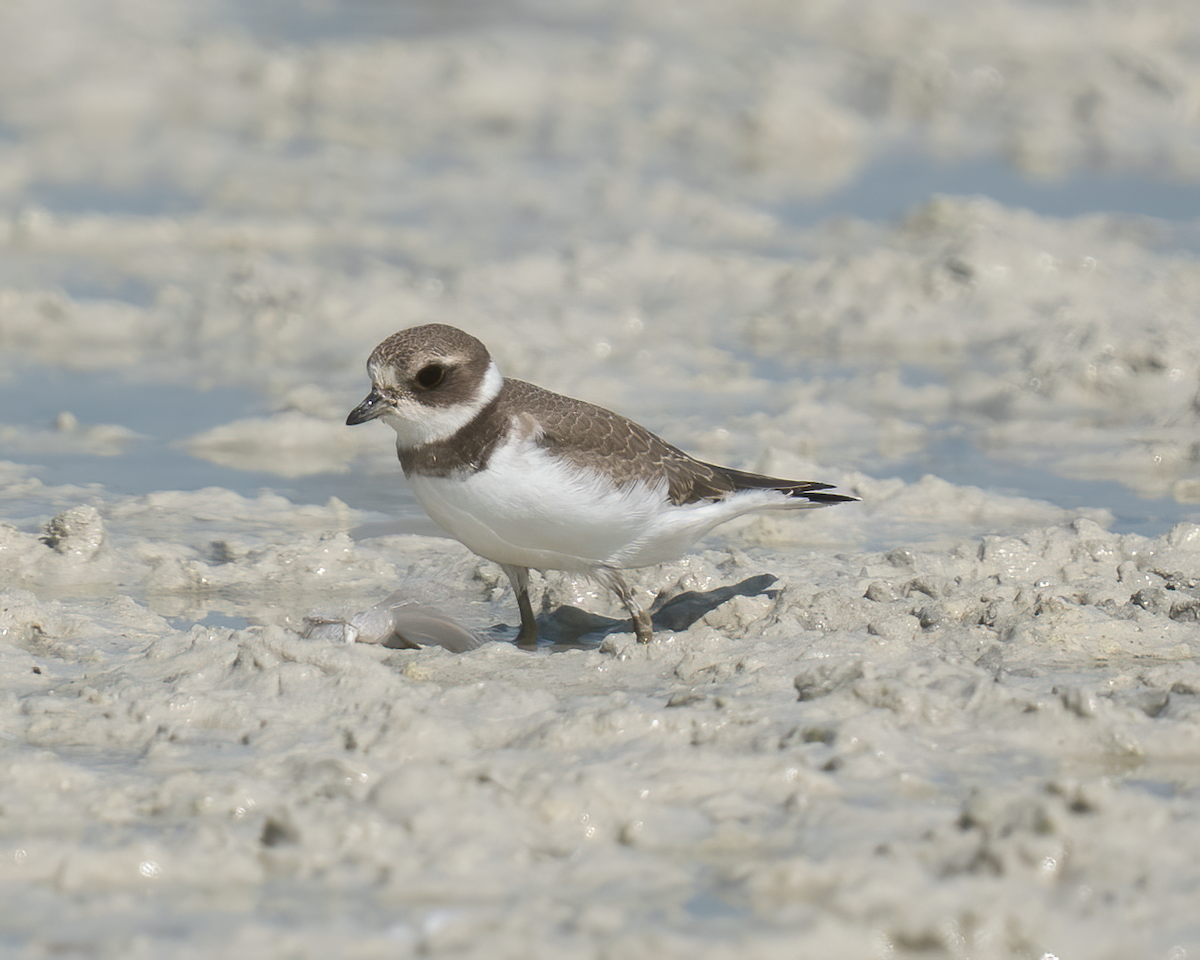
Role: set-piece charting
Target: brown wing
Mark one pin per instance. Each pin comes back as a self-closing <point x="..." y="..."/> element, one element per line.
<point x="601" y="440"/>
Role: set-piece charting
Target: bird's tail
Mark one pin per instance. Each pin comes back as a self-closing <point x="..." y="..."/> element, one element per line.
<point x="811" y="491"/>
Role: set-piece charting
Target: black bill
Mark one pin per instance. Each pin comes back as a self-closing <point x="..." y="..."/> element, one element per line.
<point x="373" y="406"/>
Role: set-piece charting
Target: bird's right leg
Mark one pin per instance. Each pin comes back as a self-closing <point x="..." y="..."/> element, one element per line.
<point x="616" y="583"/>
<point x="519" y="578"/>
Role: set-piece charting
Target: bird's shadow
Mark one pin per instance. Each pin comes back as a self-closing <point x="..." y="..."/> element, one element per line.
<point x="571" y="627"/>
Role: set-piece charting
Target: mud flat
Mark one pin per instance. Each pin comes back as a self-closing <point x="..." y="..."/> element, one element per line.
<point x="958" y="719"/>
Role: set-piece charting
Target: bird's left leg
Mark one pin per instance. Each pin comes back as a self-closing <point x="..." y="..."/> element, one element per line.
<point x="519" y="577"/>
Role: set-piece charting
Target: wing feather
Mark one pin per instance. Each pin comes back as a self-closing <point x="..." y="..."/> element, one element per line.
<point x="605" y="442"/>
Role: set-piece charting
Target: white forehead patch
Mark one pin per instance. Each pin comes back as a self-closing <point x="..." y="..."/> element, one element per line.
<point x="383" y="375"/>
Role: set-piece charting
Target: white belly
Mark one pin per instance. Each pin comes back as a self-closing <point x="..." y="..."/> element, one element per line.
<point x="530" y="509"/>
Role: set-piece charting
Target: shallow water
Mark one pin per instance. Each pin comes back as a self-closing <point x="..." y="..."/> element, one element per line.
<point x="163" y="416"/>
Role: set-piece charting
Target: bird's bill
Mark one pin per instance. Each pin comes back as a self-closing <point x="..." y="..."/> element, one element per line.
<point x="373" y="406"/>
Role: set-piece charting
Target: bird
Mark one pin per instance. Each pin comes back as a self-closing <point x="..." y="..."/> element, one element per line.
<point x="532" y="479"/>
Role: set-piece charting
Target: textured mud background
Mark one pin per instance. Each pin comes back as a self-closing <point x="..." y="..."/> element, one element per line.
<point x="941" y="255"/>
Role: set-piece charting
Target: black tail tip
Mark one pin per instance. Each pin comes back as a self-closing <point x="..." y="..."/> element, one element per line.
<point x="826" y="498"/>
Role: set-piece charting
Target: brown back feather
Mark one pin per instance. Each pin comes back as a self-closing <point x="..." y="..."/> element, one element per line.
<point x="600" y="440"/>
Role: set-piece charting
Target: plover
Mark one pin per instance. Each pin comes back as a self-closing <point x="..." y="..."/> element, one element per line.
<point x="532" y="479"/>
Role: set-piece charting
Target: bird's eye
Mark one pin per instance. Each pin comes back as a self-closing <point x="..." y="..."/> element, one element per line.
<point x="431" y="376"/>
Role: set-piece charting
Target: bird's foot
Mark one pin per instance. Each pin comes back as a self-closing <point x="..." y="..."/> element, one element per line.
<point x="642" y="627"/>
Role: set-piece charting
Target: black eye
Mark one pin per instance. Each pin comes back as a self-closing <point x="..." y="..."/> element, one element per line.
<point x="431" y="376"/>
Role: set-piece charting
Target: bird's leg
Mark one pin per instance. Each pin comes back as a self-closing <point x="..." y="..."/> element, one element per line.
<point x="641" y="622"/>
<point x="519" y="578"/>
<point x="616" y="583"/>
